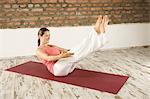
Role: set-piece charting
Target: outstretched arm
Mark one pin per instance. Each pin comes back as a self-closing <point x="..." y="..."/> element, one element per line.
<point x="47" y="57"/>
<point x="60" y="48"/>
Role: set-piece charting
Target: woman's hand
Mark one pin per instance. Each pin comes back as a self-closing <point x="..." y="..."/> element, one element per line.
<point x="65" y="54"/>
<point x="65" y="50"/>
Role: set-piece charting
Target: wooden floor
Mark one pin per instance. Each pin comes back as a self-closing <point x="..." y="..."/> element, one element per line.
<point x="133" y="62"/>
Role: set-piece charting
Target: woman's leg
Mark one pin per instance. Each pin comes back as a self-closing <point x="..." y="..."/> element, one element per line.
<point x="95" y="40"/>
<point x="92" y="42"/>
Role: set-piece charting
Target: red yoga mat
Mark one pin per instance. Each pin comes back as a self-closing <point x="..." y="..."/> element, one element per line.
<point x="90" y="79"/>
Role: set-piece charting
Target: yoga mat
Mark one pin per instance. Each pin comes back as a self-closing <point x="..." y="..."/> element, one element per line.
<point x="90" y="79"/>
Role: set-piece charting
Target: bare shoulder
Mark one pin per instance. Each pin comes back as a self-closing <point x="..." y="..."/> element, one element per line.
<point x="39" y="50"/>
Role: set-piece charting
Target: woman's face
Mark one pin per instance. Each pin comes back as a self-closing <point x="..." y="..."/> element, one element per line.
<point x="45" y="38"/>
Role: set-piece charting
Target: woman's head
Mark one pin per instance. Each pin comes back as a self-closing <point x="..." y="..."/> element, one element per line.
<point x="43" y="36"/>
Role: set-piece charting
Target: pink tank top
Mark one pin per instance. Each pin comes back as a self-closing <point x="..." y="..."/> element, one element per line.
<point x="52" y="51"/>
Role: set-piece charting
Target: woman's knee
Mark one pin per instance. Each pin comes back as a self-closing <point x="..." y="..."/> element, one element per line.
<point x="60" y="73"/>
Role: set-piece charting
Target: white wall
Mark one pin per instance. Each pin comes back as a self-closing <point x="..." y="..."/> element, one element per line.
<point x="128" y="35"/>
<point x="22" y="42"/>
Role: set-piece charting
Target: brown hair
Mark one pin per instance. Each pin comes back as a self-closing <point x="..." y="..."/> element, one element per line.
<point x="41" y="33"/>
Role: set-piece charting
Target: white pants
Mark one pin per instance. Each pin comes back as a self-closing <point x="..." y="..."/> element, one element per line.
<point x="90" y="43"/>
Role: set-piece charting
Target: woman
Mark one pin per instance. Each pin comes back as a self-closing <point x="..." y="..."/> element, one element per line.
<point x="60" y="61"/>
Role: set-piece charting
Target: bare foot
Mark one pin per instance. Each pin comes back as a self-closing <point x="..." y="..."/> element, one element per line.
<point x="101" y="27"/>
<point x="106" y="21"/>
<point x="97" y="25"/>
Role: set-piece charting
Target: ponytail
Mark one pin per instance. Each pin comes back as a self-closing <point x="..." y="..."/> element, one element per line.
<point x="38" y="42"/>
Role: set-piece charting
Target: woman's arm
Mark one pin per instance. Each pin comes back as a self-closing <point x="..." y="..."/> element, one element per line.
<point x="60" y="48"/>
<point x="45" y="56"/>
